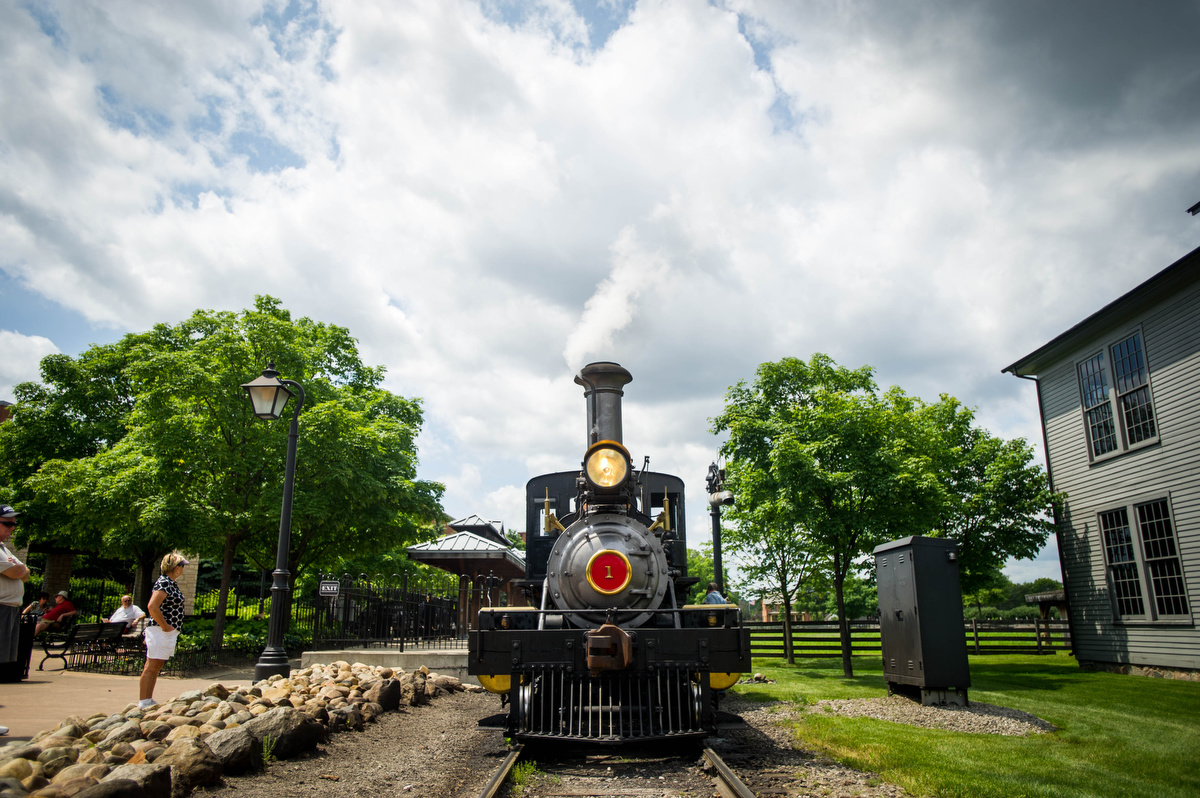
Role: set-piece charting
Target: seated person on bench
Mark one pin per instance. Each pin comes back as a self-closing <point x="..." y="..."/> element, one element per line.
<point x="128" y="613"/>
<point x="62" y="611"/>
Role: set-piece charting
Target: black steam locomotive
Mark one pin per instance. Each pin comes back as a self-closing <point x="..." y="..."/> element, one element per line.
<point x="607" y="650"/>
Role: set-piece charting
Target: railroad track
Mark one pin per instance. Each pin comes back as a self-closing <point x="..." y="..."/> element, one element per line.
<point x="596" y="777"/>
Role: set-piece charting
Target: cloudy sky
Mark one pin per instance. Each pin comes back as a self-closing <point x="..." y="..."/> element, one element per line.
<point x="491" y="194"/>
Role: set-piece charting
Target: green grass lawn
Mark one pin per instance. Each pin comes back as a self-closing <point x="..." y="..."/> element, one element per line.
<point x="1118" y="735"/>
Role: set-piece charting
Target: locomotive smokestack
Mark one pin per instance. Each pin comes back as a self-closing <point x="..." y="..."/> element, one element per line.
<point x="602" y="383"/>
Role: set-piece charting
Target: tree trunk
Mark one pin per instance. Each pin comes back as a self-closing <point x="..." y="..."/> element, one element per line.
<point x="145" y="578"/>
<point x="788" y="650"/>
<point x="218" y="633"/>
<point x="839" y="580"/>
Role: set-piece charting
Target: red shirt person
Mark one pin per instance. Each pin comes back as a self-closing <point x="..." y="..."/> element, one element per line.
<point x="57" y="614"/>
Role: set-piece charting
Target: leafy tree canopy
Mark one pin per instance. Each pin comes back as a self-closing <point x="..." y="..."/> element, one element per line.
<point x="825" y="463"/>
<point x="162" y="449"/>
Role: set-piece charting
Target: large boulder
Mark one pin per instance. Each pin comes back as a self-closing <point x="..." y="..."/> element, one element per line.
<point x="67" y="789"/>
<point x="19" y="752"/>
<point x="237" y="749"/>
<point x="287" y="731"/>
<point x="451" y="684"/>
<point x="193" y="761"/>
<point x="155" y="780"/>
<point x="118" y="788"/>
<point x="51" y="754"/>
<point x="16" y="769"/>
<point x="386" y="692"/>
<point x="95" y="772"/>
<point x="126" y="732"/>
<point x="218" y="691"/>
<point x="412" y="687"/>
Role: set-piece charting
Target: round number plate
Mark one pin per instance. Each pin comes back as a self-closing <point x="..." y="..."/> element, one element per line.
<point x="609" y="572"/>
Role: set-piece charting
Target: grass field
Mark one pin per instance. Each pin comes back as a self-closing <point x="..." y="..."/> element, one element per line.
<point x="1118" y="735"/>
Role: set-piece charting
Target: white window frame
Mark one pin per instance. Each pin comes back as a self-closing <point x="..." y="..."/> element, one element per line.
<point x="1114" y="398"/>
<point x="1149" y="598"/>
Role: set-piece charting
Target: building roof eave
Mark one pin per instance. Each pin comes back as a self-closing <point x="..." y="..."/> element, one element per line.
<point x="1182" y="272"/>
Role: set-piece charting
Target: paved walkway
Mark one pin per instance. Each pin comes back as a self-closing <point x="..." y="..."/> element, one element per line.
<point x="49" y="696"/>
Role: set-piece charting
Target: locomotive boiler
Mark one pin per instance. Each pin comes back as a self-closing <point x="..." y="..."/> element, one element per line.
<point x="607" y="650"/>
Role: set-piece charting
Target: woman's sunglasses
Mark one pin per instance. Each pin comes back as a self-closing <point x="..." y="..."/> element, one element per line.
<point x="9" y="524"/>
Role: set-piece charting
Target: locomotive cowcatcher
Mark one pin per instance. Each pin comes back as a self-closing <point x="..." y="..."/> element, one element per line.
<point x="607" y="651"/>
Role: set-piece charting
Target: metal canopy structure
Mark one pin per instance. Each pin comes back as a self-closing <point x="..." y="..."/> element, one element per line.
<point x="468" y="554"/>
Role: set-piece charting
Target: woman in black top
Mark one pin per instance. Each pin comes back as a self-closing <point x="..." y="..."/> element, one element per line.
<point x="166" y="616"/>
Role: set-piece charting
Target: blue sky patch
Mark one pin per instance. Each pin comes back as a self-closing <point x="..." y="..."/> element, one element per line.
<point x="603" y="17"/>
<point x="188" y="194"/>
<point x="32" y="314"/>
<point x="124" y="115"/>
<point x="263" y="154"/>
<point x="46" y="18"/>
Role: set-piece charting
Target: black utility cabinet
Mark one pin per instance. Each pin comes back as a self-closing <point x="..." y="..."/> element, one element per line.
<point x="921" y="620"/>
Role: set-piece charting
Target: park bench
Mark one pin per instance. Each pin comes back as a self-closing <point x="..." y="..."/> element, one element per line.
<point x="83" y="642"/>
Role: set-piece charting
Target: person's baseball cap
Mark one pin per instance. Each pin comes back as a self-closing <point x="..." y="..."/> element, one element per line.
<point x="63" y="593"/>
<point x="6" y="511"/>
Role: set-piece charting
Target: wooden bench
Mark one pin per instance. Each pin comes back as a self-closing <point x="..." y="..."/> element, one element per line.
<point x="83" y="641"/>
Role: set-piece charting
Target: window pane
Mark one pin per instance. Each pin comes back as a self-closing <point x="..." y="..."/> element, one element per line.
<point x="1101" y="429"/>
<point x="1091" y="378"/>
<point x="1129" y="370"/>
<point x="1139" y="415"/>
<point x="1162" y="558"/>
<point x="1129" y="376"/>
<point x="1122" y="567"/>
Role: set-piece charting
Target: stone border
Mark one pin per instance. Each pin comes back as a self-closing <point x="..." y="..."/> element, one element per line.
<point x="197" y="737"/>
<point x="1151" y="671"/>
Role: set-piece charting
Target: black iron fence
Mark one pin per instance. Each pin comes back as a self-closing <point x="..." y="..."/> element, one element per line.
<point x="384" y="612"/>
<point x="95" y="599"/>
<point x="249" y="595"/>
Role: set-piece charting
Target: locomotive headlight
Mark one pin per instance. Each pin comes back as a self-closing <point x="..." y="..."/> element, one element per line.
<point x="606" y="464"/>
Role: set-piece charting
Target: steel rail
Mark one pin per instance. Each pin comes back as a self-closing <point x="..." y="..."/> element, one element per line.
<point x="501" y="773"/>
<point x="728" y="784"/>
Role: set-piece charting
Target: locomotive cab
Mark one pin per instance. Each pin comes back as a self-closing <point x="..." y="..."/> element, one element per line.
<point x="607" y="651"/>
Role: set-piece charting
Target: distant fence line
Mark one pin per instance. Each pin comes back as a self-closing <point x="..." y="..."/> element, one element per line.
<point x="822" y="638"/>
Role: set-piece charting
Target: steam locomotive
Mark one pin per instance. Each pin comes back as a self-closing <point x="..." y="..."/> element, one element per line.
<point x="607" y="651"/>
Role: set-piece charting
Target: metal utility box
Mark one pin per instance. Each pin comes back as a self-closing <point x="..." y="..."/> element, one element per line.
<point x="921" y="619"/>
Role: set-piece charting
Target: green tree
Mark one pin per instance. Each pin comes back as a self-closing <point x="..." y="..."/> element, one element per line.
<point x="997" y="500"/>
<point x="190" y="465"/>
<point x="829" y="455"/>
<point x="79" y="408"/>
<point x="700" y="566"/>
<point x="776" y="557"/>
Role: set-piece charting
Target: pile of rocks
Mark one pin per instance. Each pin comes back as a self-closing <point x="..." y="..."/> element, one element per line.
<point x="194" y="739"/>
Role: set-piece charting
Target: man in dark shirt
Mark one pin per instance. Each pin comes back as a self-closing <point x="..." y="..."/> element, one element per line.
<point x="62" y="611"/>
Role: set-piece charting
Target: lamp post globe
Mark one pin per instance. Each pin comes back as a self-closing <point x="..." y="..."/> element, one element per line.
<point x="269" y="395"/>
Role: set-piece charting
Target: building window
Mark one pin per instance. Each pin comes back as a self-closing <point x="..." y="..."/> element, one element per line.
<point x="1122" y="564"/>
<point x="1144" y="568"/>
<point x="1102" y="434"/>
<point x="1133" y="393"/>
<point x="1130" y="392"/>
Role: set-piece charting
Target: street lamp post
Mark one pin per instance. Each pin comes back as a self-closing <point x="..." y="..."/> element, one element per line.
<point x="717" y="496"/>
<point x="269" y="394"/>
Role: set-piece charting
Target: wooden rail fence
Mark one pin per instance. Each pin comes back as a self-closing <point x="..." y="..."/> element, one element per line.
<point x="821" y="638"/>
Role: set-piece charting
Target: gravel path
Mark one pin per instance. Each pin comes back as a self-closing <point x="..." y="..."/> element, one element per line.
<point x="978" y="718"/>
<point x="433" y="751"/>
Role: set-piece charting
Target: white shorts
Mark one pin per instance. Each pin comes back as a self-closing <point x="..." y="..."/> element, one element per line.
<point x="160" y="644"/>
